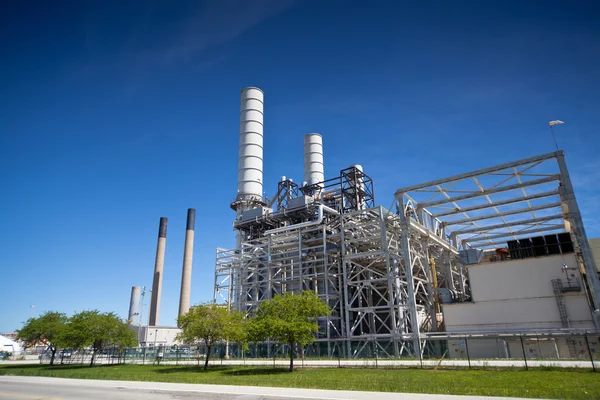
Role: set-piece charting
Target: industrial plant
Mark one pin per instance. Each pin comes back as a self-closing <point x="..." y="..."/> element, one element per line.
<point x="489" y="253"/>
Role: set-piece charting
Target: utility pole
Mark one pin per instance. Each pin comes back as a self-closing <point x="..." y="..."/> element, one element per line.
<point x="139" y="324"/>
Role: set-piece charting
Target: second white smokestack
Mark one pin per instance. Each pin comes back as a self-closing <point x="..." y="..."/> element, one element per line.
<point x="314" y="170"/>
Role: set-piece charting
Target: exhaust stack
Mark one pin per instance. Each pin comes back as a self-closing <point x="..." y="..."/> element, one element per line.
<point x="159" y="264"/>
<point x="314" y="171"/>
<point x="250" y="160"/>
<point x="186" y="273"/>
<point x="134" y="304"/>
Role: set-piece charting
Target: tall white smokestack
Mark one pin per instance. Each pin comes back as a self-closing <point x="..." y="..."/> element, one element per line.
<point x="134" y="304"/>
<point x="250" y="161"/>
<point x="186" y="273"/>
<point x="159" y="264"/>
<point x="314" y="171"/>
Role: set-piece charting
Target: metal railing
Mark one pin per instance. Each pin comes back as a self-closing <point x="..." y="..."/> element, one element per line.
<point x="510" y="350"/>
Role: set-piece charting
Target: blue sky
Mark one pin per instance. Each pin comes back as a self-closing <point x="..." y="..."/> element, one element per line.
<point x="114" y="114"/>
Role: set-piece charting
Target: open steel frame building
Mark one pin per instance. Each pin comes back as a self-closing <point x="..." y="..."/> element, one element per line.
<point x="382" y="271"/>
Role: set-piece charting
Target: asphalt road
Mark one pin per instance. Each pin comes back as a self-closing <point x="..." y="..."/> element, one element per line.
<point x="38" y="388"/>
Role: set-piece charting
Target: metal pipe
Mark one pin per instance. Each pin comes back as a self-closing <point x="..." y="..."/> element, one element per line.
<point x="159" y="264"/>
<point x="320" y="215"/>
<point x="186" y="273"/>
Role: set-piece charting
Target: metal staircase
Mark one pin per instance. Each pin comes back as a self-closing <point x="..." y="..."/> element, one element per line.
<point x="557" y="286"/>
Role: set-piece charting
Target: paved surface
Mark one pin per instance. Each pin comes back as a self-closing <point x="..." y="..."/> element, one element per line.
<point x="38" y="388"/>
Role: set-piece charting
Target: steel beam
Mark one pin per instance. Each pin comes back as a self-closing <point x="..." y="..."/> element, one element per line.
<point x="525" y="161"/>
<point x="502" y="214"/>
<point x="545" y="228"/>
<point x="567" y="195"/>
<point x="497" y="203"/>
<point x="407" y="257"/>
<point x="508" y="224"/>
<point x="475" y="194"/>
<point x="431" y="235"/>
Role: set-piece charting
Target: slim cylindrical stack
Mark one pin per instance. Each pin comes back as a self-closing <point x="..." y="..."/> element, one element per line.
<point x="159" y="264"/>
<point x="250" y="161"/>
<point x="186" y="273"/>
<point x="314" y="170"/>
<point x="134" y="304"/>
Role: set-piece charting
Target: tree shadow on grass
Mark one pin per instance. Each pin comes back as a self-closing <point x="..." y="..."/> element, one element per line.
<point x="44" y="367"/>
<point x="56" y="367"/>
<point x="257" y="371"/>
<point x="231" y="371"/>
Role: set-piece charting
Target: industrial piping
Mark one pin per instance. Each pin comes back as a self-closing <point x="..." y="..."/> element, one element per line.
<point x="159" y="264"/>
<point x="186" y="273"/>
<point x="320" y="215"/>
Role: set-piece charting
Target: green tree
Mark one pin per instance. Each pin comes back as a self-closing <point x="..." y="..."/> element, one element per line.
<point x="211" y="323"/>
<point x="47" y="328"/>
<point x="290" y="319"/>
<point x="97" y="330"/>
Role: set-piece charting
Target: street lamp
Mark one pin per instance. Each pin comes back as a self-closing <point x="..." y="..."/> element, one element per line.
<point x="32" y="310"/>
<point x="551" y="124"/>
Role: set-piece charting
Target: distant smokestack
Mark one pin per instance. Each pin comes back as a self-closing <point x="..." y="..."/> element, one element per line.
<point x="158" y="272"/>
<point x="186" y="273"/>
<point x="134" y="304"/>
<point x="314" y="171"/>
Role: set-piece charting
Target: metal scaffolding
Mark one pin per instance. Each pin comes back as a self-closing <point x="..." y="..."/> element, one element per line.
<point x="381" y="271"/>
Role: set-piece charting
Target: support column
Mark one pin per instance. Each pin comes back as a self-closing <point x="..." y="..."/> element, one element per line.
<point x="573" y="215"/>
<point x="431" y="308"/>
<point x="345" y="285"/>
<point x="410" y="282"/>
<point x="391" y="276"/>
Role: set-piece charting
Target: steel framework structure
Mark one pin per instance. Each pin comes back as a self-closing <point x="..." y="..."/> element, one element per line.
<point x="381" y="271"/>
<point x="485" y="208"/>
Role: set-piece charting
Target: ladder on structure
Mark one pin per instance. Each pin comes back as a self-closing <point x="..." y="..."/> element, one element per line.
<point x="564" y="317"/>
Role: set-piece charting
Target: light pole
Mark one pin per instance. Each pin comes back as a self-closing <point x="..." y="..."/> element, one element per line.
<point x="147" y="326"/>
<point x="32" y="310"/>
<point x="551" y="124"/>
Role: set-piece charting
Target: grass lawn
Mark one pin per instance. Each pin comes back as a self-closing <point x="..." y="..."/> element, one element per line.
<point x="541" y="383"/>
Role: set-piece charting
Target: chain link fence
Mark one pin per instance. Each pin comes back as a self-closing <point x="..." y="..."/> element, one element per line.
<point x="484" y="351"/>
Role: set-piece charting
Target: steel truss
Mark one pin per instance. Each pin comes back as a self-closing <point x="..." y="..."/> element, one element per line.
<point x="381" y="271"/>
<point x="485" y="208"/>
<point x="357" y="264"/>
